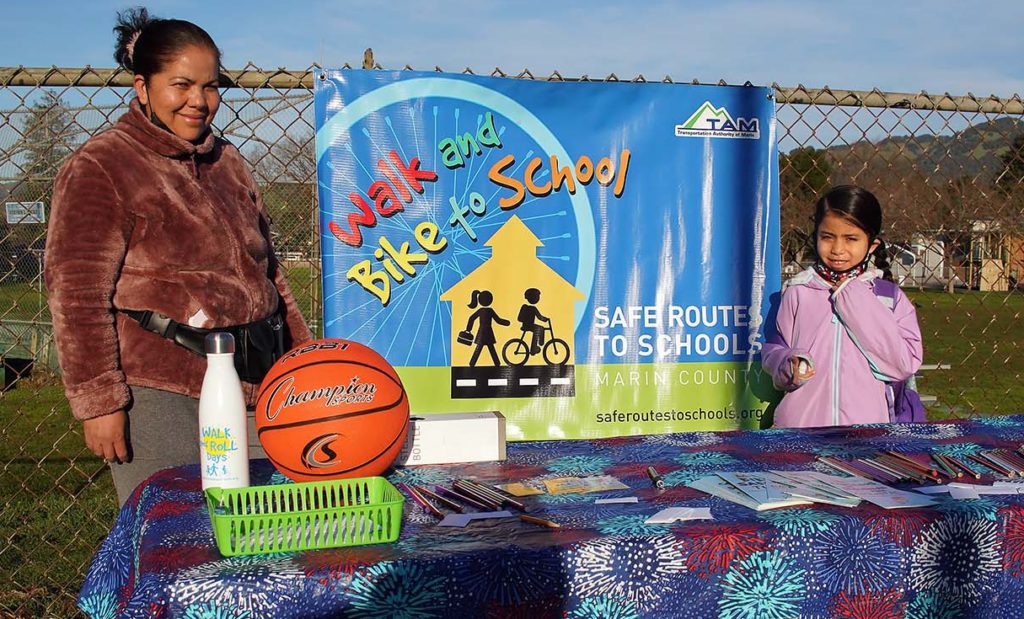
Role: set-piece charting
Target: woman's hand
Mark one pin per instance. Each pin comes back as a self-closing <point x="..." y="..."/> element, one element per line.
<point x="104" y="436"/>
<point x="800" y="370"/>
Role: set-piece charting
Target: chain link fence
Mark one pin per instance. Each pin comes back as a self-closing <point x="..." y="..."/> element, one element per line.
<point x="949" y="171"/>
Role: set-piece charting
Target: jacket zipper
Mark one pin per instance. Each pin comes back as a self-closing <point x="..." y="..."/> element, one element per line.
<point x="838" y="341"/>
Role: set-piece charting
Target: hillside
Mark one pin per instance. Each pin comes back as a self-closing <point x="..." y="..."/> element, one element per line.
<point x="974" y="151"/>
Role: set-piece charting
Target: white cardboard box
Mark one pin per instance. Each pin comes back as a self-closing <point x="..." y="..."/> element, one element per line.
<point x="447" y="438"/>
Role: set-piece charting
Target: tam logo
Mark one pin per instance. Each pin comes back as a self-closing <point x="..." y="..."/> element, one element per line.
<point x="711" y="122"/>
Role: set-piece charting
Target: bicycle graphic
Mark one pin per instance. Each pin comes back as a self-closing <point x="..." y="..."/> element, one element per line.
<point x="517" y="352"/>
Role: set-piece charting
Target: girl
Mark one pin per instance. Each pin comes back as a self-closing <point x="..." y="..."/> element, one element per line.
<point x="837" y="341"/>
<point x="485" y="334"/>
<point x="157" y="233"/>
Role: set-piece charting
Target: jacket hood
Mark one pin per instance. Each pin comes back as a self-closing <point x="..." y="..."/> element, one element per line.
<point x="808" y="277"/>
<point x="161" y="141"/>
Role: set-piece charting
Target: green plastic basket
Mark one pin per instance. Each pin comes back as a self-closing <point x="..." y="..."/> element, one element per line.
<point x="304" y="516"/>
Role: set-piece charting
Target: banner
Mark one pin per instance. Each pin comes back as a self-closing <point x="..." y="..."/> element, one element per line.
<point x="589" y="259"/>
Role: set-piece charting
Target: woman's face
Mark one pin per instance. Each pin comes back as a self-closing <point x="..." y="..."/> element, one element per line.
<point x="841" y="244"/>
<point x="184" y="94"/>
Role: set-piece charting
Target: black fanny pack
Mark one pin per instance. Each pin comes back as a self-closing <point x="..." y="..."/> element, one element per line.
<point x="257" y="344"/>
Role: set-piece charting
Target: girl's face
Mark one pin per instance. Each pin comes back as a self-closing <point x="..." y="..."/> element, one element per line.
<point x="184" y="94"/>
<point x="841" y="244"/>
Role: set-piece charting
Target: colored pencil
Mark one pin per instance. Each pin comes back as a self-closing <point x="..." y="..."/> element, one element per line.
<point x="949" y="462"/>
<point x="425" y="504"/>
<point x="876" y="473"/>
<point x="1012" y="458"/>
<point x="540" y="521"/>
<point x="996" y="459"/>
<point x="841" y="466"/>
<point x="987" y="464"/>
<point x="469" y="492"/>
<point x="450" y="504"/>
<point x="963" y="467"/>
<point x="946" y="469"/>
<point x="913" y="473"/>
<point x="460" y="497"/>
<point x="899" y="473"/>
<point x="914" y="463"/>
<point x="493" y="492"/>
<point x="461" y="485"/>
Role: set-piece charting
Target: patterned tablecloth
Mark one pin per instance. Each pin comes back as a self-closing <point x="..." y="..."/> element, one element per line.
<point x="958" y="558"/>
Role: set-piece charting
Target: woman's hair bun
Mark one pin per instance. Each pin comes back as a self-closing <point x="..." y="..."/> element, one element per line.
<point x="129" y="26"/>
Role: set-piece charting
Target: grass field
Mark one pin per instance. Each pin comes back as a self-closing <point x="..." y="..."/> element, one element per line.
<point x="59" y="501"/>
<point x="979" y="336"/>
<point x="23" y="301"/>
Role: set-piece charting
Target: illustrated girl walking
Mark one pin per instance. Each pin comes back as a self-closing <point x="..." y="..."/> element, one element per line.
<point x="485" y="333"/>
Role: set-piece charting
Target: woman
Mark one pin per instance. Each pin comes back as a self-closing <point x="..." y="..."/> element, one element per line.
<point x="157" y="234"/>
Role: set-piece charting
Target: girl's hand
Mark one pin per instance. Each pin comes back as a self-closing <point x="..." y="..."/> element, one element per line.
<point x="104" y="436"/>
<point x="800" y="370"/>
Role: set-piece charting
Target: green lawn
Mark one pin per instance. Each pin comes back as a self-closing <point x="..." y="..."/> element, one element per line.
<point x="59" y="502"/>
<point x="23" y="301"/>
<point x="979" y="335"/>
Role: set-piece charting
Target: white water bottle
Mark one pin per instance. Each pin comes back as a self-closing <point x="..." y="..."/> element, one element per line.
<point x="223" y="438"/>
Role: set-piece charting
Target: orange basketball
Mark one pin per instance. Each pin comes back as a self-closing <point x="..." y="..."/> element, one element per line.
<point x="332" y="409"/>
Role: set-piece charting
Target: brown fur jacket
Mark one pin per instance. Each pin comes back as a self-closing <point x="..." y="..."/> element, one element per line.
<point x="144" y="220"/>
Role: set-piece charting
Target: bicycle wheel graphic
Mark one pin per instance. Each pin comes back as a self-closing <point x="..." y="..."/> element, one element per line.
<point x="516" y="352"/>
<point x="412" y="117"/>
<point x="556" y="352"/>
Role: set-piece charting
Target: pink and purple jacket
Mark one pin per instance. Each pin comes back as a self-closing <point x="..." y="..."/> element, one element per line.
<point x="854" y="342"/>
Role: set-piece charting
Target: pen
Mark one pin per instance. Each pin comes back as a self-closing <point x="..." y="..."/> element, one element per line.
<point x="540" y="521"/>
<point x="656" y="479"/>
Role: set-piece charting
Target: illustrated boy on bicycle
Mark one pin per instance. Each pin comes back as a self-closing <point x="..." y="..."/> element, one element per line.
<point x="528" y="317"/>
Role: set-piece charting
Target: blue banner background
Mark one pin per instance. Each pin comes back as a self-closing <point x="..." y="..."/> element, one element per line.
<point x="696" y="224"/>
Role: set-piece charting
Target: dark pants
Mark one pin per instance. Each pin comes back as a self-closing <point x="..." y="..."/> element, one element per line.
<point x="163" y="431"/>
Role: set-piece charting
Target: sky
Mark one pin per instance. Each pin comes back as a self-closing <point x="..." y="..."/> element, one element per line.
<point x="907" y="46"/>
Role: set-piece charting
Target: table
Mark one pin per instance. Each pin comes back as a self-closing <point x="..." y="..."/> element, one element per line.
<point x="957" y="558"/>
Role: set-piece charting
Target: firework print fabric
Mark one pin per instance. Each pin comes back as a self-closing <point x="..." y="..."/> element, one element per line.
<point x="956" y="559"/>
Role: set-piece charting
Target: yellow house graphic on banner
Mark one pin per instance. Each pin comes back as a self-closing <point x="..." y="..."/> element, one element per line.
<point x="522" y="315"/>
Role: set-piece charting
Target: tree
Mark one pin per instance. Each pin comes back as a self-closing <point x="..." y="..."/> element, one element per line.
<point x="1011" y="176"/>
<point x="48" y="136"/>
<point x="804" y="174"/>
<point x="286" y="172"/>
<point x="288" y="159"/>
